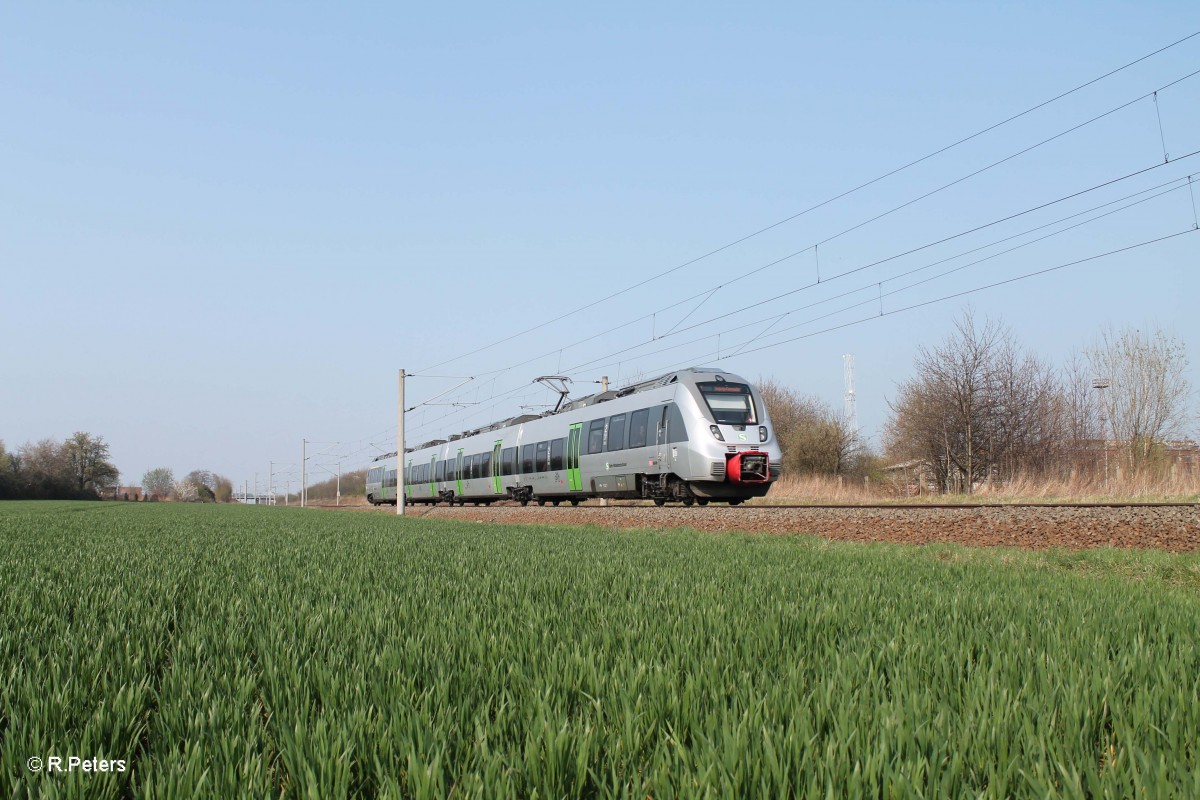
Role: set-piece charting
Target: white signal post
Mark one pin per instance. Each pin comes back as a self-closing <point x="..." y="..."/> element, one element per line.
<point x="400" y="450"/>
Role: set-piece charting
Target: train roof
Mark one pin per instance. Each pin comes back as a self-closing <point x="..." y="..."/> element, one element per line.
<point x="690" y="376"/>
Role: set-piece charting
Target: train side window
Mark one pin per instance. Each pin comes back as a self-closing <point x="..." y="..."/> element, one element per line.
<point x="676" y="431"/>
<point x="508" y="460"/>
<point x="542" y="459"/>
<point x="389" y="479"/>
<point x="477" y="466"/>
<point x="441" y="471"/>
<point x="485" y="467"/>
<point x="527" y="459"/>
<point x="557" y="448"/>
<point x="616" y="432"/>
<point x="596" y="436"/>
<point x="637" y="427"/>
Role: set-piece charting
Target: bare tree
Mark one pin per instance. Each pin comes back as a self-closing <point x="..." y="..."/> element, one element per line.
<point x="978" y="408"/>
<point x="813" y="437"/>
<point x="1148" y="401"/>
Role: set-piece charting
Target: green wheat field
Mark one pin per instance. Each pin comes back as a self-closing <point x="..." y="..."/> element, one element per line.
<point x="268" y="652"/>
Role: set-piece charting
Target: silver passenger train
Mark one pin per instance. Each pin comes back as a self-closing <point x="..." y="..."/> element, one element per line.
<point x="692" y="436"/>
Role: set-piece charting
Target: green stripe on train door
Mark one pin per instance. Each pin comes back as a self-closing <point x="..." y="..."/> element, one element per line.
<point x="407" y="473"/>
<point x="574" y="437"/>
<point x="496" y="466"/>
<point x="458" y="472"/>
<point x="433" y="477"/>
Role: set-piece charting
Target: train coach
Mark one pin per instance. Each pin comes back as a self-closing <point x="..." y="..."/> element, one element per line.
<point x="692" y="436"/>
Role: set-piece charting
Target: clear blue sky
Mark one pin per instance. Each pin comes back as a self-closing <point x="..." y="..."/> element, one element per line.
<point x="224" y="227"/>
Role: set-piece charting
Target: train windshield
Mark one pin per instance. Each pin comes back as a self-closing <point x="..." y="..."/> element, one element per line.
<point x="730" y="403"/>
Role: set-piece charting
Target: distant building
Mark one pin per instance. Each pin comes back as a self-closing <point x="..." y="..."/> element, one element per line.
<point x="133" y="493"/>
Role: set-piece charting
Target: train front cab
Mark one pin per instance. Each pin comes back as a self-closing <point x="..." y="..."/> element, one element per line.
<point x="734" y="454"/>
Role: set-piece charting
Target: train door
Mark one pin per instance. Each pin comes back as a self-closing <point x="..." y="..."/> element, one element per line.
<point x="433" y="476"/>
<point x="496" y="466"/>
<point x="574" y="438"/>
<point x="458" y="470"/>
<point x="407" y="480"/>
<point x="662" y="453"/>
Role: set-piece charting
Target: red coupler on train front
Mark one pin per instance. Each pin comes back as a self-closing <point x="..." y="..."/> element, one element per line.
<point x="748" y="467"/>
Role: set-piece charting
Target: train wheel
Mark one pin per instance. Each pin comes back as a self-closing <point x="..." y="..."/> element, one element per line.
<point x="735" y="502"/>
<point x="687" y="501"/>
<point x="660" y="501"/>
<point x="701" y="502"/>
<point x="524" y="502"/>
<point x="556" y="504"/>
<point x="541" y="502"/>
<point x="574" y="503"/>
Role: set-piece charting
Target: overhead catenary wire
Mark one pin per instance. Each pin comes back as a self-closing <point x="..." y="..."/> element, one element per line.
<point x="818" y="205"/>
<point x="889" y="279"/>
<point x="742" y="347"/>
<point x="908" y="203"/>
<point x="890" y="312"/>
<point x="943" y="298"/>
<point x="861" y="268"/>
<point x="878" y="285"/>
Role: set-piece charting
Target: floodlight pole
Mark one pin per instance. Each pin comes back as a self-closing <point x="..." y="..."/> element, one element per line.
<point x="400" y="450"/>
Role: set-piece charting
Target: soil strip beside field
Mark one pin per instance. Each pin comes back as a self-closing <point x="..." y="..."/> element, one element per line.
<point x="1176" y="529"/>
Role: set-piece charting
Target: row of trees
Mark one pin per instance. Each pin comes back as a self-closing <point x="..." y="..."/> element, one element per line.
<point x="78" y="468"/>
<point x="980" y="408"/>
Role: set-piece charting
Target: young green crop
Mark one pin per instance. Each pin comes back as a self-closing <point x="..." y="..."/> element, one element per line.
<point x="261" y="652"/>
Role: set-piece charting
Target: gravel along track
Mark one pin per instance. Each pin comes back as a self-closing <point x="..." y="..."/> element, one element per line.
<point x="1173" y="528"/>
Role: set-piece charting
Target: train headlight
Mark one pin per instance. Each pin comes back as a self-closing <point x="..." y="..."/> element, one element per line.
<point x="716" y="432"/>
<point x="762" y="433"/>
